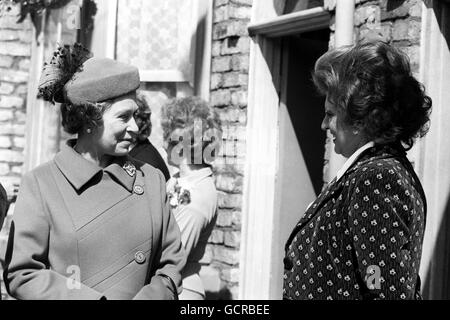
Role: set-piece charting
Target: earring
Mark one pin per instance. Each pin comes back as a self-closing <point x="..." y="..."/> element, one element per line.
<point x="88" y="130"/>
<point x="355" y="132"/>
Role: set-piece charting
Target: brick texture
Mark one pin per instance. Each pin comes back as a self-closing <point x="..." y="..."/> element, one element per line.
<point x="229" y="82"/>
<point x="15" y="50"/>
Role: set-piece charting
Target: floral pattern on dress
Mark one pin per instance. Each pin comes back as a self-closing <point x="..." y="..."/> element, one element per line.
<point x="373" y="219"/>
<point x="178" y="195"/>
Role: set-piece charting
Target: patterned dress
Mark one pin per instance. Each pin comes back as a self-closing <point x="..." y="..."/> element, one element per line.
<point x="362" y="237"/>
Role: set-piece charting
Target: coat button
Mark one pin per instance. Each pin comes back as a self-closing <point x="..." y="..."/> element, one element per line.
<point x="287" y="263"/>
<point x="139" y="257"/>
<point x="138" y="189"/>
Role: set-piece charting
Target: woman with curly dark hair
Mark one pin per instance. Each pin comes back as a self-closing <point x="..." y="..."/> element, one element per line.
<point x="93" y="223"/>
<point x="142" y="149"/>
<point x="4" y="205"/>
<point x="362" y="237"/>
<point x="192" y="137"/>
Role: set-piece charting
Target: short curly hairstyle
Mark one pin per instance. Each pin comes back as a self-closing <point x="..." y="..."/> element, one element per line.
<point x="143" y="117"/>
<point x="373" y="88"/>
<point x="76" y="118"/>
<point x="193" y="119"/>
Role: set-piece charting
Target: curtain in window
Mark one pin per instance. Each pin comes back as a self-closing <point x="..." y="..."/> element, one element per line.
<point x="157" y="35"/>
<point x="289" y="6"/>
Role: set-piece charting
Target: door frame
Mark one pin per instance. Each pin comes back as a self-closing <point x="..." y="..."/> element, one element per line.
<point x="431" y="154"/>
<point x="259" y="205"/>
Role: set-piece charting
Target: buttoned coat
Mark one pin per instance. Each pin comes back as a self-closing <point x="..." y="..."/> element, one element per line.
<point x="362" y="237"/>
<point x="83" y="232"/>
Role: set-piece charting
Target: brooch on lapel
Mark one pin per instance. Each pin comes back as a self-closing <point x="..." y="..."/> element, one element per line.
<point x="178" y="195"/>
<point x="129" y="168"/>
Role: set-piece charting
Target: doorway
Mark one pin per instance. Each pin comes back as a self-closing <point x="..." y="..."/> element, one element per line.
<point x="301" y="142"/>
<point x="280" y="178"/>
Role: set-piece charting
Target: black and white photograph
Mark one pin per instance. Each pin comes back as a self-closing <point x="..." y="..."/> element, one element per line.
<point x="224" y="150"/>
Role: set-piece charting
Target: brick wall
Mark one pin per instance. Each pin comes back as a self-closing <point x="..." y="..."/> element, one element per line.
<point x="15" y="49"/>
<point x="229" y="82"/>
<point x="396" y="22"/>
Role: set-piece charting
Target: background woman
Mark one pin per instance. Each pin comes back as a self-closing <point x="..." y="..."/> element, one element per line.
<point x="191" y="132"/>
<point x="4" y="205"/>
<point x="362" y="237"/>
<point x="93" y="223"/>
<point x="143" y="149"/>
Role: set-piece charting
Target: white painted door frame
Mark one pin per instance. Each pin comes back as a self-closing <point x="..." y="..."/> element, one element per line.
<point x="262" y="142"/>
<point x="433" y="152"/>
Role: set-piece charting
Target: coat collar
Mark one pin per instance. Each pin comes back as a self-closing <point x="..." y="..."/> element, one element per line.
<point x="79" y="171"/>
<point x="378" y="151"/>
<point x="193" y="177"/>
<point x="351" y="160"/>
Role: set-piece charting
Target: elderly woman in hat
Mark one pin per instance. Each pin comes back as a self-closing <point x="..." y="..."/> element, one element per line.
<point x="93" y="223"/>
<point x="362" y="237"/>
<point x="192" y="137"/>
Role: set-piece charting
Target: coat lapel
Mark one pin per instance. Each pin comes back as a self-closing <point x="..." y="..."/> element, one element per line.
<point x="334" y="189"/>
<point x="91" y="190"/>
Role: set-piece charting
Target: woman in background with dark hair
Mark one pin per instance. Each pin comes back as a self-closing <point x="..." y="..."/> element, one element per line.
<point x="192" y="136"/>
<point x="143" y="149"/>
<point x="4" y="205"/>
<point x="93" y="223"/>
<point x="362" y="237"/>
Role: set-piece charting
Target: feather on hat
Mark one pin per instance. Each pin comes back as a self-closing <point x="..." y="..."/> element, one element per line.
<point x="73" y="76"/>
<point x="65" y="62"/>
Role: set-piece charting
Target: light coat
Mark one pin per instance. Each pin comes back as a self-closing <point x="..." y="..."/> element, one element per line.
<point x="110" y="229"/>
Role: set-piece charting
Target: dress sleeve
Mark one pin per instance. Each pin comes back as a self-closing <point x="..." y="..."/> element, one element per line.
<point x="192" y="221"/>
<point x="171" y="259"/>
<point x="27" y="273"/>
<point x="385" y="223"/>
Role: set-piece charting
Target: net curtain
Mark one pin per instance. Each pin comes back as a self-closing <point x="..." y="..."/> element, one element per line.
<point x="158" y="35"/>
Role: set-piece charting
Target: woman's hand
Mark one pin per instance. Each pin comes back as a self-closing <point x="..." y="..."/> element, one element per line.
<point x="159" y="288"/>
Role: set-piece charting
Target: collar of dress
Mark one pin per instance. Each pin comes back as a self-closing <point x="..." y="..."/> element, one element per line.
<point x="79" y="171"/>
<point x="353" y="159"/>
<point x="194" y="177"/>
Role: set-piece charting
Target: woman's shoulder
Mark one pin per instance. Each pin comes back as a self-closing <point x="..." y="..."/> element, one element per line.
<point x="206" y="185"/>
<point x="203" y="196"/>
<point x="205" y="190"/>
<point x="377" y="164"/>
<point x="386" y="171"/>
<point x="41" y="171"/>
<point x="205" y="193"/>
<point x="148" y="171"/>
<point x="381" y="159"/>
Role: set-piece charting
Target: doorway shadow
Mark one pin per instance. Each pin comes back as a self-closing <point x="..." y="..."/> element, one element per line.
<point x="304" y="104"/>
